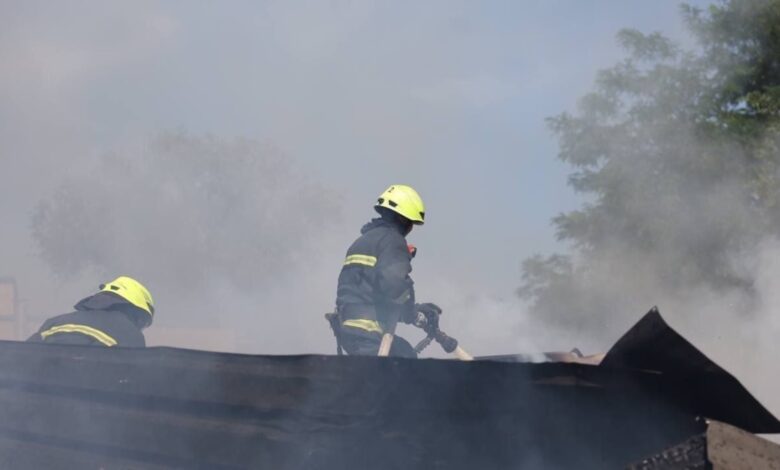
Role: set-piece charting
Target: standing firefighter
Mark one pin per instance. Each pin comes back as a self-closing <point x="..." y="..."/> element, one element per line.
<point x="114" y="316"/>
<point x="375" y="291"/>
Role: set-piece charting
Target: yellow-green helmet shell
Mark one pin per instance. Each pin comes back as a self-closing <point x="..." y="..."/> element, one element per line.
<point x="132" y="291"/>
<point x="405" y="201"/>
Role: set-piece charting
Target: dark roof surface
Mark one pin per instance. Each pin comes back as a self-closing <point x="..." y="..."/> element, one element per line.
<point x="82" y="407"/>
<point x="703" y="386"/>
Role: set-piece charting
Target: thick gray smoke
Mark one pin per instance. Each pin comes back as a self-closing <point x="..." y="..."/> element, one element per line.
<point x="229" y="204"/>
<point x="230" y="235"/>
<point x="119" y="155"/>
<point x="202" y="220"/>
<point x="683" y="210"/>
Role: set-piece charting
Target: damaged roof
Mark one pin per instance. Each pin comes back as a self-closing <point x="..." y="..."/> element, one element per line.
<point x="77" y="407"/>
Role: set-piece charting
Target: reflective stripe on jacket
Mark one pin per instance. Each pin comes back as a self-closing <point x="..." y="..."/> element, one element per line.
<point x="98" y="335"/>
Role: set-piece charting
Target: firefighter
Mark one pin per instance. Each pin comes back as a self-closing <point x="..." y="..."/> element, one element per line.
<point x="115" y="316"/>
<point x="375" y="290"/>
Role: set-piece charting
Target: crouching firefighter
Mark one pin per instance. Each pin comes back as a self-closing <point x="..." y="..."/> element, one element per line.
<point x="375" y="290"/>
<point x="115" y="316"/>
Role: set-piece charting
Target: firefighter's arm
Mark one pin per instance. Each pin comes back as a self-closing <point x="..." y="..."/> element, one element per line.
<point x="393" y="281"/>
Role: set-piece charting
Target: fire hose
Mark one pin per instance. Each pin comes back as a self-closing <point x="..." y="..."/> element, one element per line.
<point x="447" y="343"/>
<point x="434" y="333"/>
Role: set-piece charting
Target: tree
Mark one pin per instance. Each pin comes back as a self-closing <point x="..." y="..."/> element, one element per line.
<point x="677" y="153"/>
<point x="187" y="213"/>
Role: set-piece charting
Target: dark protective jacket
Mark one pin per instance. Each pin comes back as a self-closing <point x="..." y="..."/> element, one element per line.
<point x="104" y="319"/>
<point x="374" y="287"/>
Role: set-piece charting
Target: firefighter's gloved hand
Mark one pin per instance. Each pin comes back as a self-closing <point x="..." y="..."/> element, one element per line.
<point x="420" y="321"/>
<point x="428" y="309"/>
<point x="431" y="313"/>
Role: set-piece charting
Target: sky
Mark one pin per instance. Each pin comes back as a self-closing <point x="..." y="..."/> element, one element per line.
<point x="448" y="96"/>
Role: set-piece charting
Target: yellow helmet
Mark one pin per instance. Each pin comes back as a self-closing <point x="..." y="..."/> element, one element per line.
<point x="132" y="291"/>
<point x="403" y="200"/>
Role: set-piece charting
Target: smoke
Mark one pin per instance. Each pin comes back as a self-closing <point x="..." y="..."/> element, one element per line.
<point x="207" y="224"/>
<point x="226" y="204"/>
<point x="119" y="155"/>
<point x="683" y="191"/>
<point x="232" y="235"/>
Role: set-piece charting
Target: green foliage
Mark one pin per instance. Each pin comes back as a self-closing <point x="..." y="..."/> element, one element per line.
<point x="679" y="155"/>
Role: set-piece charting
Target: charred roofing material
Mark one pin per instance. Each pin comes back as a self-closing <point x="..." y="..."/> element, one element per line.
<point x="77" y="407"/>
<point x="722" y="446"/>
<point x="652" y="345"/>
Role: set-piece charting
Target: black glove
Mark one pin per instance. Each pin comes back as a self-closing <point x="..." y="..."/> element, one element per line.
<point x="428" y="309"/>
<point x="431" y="313"/>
